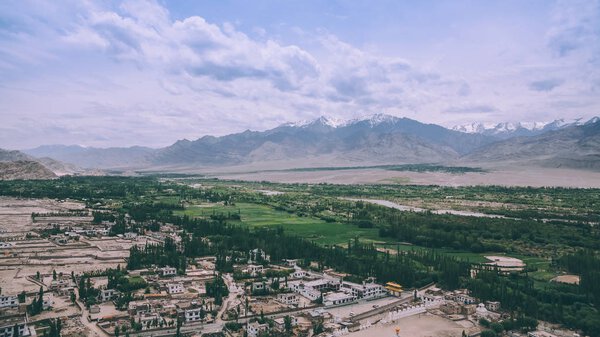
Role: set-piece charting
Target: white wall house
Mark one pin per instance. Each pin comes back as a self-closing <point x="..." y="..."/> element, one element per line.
<point x="175" y="288"/>
<point x="288" y="298"/>
<point x="193" y="314"/>
<point x="8" y="301"/>
<point x="167" y="271"/>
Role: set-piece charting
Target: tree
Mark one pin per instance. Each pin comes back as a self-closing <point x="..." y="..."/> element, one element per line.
<point x="178" y="332"/>
<point x="497" y="327"/>
<point x="16" y="331"/>
<point x="287" y="320"/>
<point x="22" y="296"/>
<point x="73" y="297"/>
<point x="488" y="333"/>
<point x="54" y="274"/>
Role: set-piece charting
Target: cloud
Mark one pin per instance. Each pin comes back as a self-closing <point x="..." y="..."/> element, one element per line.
<point x="546" y="85"/>
<point x="144" y="33"/>
<point x="576" y="26"/>
<point x="143" y="72"/>
<point x="471" y="109"/>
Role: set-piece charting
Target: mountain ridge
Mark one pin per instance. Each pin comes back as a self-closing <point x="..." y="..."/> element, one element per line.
<point x="376" y="139"/>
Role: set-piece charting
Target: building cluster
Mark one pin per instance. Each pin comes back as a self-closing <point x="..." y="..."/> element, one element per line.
<point x="459" y="304"/>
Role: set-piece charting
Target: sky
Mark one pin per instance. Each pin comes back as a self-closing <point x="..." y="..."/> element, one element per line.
<point x="123" y="73"/>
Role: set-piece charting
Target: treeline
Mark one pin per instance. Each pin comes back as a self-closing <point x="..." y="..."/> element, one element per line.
<point x="586" y="264"/>
<point x="160" y="255"/>
<point x="554" y="302"/>
<point x="209" y="237"/>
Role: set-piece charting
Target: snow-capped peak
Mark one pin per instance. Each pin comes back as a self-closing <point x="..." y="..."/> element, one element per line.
<point x="519" y="127"/>
<point x="593" y="120"/>
<point x="338" y="122"/>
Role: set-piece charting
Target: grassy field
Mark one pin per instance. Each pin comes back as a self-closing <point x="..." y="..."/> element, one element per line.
<point x="255" y="215"/>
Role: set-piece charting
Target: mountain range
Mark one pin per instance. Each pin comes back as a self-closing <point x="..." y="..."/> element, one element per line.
<point x="378" y="139"/>
<point x="507" y="130"/>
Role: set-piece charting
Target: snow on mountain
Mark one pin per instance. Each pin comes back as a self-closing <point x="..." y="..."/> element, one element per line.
<point x="323" y="120"/>
<point x="508" y="129"/>
<point x="334" y="122"/>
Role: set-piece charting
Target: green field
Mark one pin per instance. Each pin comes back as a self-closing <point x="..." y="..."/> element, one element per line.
<point x="255" y="215"/>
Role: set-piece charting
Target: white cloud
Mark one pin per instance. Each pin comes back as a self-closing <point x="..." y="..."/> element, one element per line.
<point x="133" y="74"/>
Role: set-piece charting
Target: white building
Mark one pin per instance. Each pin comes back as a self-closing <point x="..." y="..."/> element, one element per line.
<point x="192" y="314"/>
<point x="306" y="291"/>
<point x="298" y="273"/>
<point x="8" y="301"/>
<point x="257" y="255"/>
<point x="7" y="326"/>
<point x="280" y="322"/>
<point x="5" y="244"/>
<point x="338" y="298"/>
<point x="492" y="305"/>
<point x="130" y="235"/>
<point x="167" y="271"/>
<point x="365" y="290"/>
<point x="288" y="298"/>
<point x="60" y="284"/>
<point x="254" y="269"/>
<point x="107" y="295"/>
<point x="48" y="302"/>
<point x="175" y="288"/>
<point x="464" y="298"/>
<point x="254" y="328"/>
<point x="291" y="262"/>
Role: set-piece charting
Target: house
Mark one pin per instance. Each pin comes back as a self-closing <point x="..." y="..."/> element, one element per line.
<point x="107" y="295"/>
<point x="259" y="286"/>
<point x="255" y="270"/>
<point x="280" y="322"/>
<point x="291" y="262"/>
<point x="193" y="314"/>
<point x="304" y="290"/>
<point x="432" y="296"/>
<point x="5" y="244"/>
<point x="338" y="298"/>
<point x="130" y="235"/>
<point x="60" y="284"/>
<point x="138" y="307"/>
<point x="67" y="291"/>
<point x="175" y="288"/>
<point x="257" y="255"/>
<point x="148" y="317"/>
<point x="254" y="328"/>
<point x="373" y="290"/>
<point x="450" y="308"/>
<point x="298" y="273"/>
<point x="167" y="271"/>
<point x="9" y="301"/>
<point x="288" y="298"/>
<point x="100" y="232"/>
<point x="492" y="305"/>
<point x="8" y="323"/>
<point x="463" y="297"/>
<point x="48" y="302"/>
<point x="366" y="290"/>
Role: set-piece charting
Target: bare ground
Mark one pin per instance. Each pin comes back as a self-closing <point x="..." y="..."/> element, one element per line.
<point x="526" y="176"/>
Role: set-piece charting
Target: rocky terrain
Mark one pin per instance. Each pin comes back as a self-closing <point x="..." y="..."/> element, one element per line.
<point x="24" y="169"/>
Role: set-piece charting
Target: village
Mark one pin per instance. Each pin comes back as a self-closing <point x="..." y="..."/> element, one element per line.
<point x="64" y="274"/>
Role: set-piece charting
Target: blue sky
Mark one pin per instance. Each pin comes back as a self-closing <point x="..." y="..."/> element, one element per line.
<point x="103" y="73"/>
